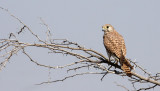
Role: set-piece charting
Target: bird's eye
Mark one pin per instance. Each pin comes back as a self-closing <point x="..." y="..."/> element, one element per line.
<point x="107" y="26"/>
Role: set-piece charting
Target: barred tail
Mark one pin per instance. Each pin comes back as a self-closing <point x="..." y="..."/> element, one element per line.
<point x="126" y="66"/>
<point x="126" y="69"/>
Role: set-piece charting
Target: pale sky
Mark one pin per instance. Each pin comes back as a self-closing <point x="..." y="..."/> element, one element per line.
<point x="79" y="21"/>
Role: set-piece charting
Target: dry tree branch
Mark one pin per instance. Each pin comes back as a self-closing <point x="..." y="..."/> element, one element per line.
<point x="152" y="87"/>
<point x="69" y="77"/>
<point x="87" y="58"/>
<point x="122" y="86"/>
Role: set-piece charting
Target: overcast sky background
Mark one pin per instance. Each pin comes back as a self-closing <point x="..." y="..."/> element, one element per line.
<point x="80" y="21"/>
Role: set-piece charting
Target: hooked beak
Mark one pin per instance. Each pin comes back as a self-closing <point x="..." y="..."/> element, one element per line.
<point x="103" y="29"/>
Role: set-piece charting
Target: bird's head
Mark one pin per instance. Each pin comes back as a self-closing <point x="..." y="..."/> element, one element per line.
<point x="107" y="28"/>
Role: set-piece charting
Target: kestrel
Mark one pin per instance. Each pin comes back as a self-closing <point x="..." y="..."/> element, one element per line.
<point x="115" y="47"/>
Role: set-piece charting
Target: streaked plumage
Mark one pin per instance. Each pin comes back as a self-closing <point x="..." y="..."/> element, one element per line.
<point x="115" y="46"/>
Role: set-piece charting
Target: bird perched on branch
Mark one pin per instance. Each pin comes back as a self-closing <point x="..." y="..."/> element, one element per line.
<point x="115" y="47"/>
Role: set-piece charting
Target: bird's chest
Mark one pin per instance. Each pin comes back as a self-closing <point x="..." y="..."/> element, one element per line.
<point x="112" y="44"/>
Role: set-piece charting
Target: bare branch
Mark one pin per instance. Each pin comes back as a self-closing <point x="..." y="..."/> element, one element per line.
<point x="152" y="87"/>
<point x="69" y="77"/>
<point x="122" y="86"/>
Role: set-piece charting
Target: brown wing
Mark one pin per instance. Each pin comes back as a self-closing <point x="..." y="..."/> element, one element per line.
<point x="114" y="43"/>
